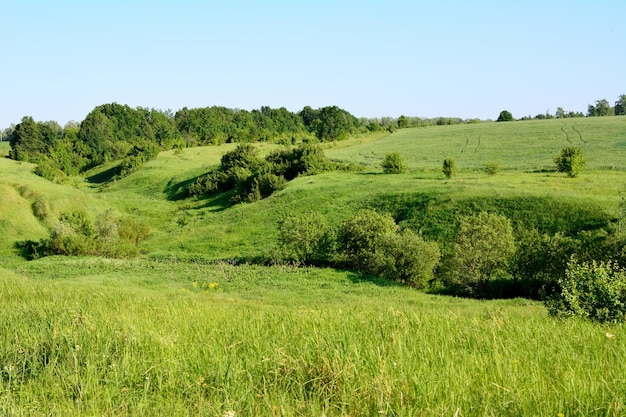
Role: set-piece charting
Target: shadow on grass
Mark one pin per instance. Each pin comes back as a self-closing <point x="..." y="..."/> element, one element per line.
<point x="497" y="289"/>
<point x="179" y="190"/>
<point x="358" y="278"/>
<point x="105" y="176"/>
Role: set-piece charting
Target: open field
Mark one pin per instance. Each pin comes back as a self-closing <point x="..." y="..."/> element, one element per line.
<point x="182" y="330"/>
<point x="91" y="336"/>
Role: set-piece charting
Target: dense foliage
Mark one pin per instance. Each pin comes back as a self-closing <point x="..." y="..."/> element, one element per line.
<point x="505" y="116"/>
<point x="252" y="178"/>
<point x="131" y="137"/>
<point x="570" y="161"/>
<point x="393" y="163"/>
<point x="449" y="168"/>
<point x="483" y="249"/>
<point x="595" y="290"/>
<point x="369" y="242"/>
<point x="76" y="234"/>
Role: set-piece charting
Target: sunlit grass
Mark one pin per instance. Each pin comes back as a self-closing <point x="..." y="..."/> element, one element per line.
<point x="137" y="337"/>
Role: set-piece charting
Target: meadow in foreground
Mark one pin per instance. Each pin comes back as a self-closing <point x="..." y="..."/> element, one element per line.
<point x="103" y="337"/>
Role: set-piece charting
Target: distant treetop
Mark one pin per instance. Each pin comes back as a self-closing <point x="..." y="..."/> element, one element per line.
<point x="505" y="116"/>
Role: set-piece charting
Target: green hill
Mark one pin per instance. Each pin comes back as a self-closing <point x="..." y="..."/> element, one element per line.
<point x="186" y="329"/>
<point x="526" y="190"/>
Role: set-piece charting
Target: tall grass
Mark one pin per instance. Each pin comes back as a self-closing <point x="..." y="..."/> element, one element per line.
<point x="146" y="338"/>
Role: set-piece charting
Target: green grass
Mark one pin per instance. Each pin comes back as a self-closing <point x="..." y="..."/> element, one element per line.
<point x="183" y="331"/>
<point x="521" y="145"/>
<point x="97" y="337"/>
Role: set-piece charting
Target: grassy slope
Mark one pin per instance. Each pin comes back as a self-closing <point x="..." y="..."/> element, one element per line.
<point x="521" y="145"/>
<point x="114" y="337"/>
<point x="188" y="339"/>
<point x="210" y="228"/>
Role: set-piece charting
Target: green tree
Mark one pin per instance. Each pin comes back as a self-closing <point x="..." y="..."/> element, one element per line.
<point x="333" y="123"/>
<point x="372" y="242"/>
<point x="602" y="108"/>
<point x="27" y="141"/>
<point x="393" y="163"/>
<point x="620" y="105"/>
<point x="570" y="161"/>
<point x="449" y="168"/>
<point x="505" y="116"/>
<point x="483" y="247"/>
<point x="414" y="259"/>
<point x="403" y="122"/>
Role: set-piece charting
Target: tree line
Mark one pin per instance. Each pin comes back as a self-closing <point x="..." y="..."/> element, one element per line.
<point x="600" y="108"/>
<point x="133" y="136"/>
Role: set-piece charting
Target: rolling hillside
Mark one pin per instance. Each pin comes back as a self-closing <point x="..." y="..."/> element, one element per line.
<point x="185" y="330"/>
<point x="212" y="228"/>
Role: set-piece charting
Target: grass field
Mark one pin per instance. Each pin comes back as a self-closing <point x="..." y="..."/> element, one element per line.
<point x="182" y="330"/>
<point x="88" y="337"/>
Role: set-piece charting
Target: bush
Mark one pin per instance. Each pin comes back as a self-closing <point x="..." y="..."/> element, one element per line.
<point x="491" y="168"/>
<point x="540" y="261"/>
<point x="302" y="238"/>
<point x="393" y="163"/>
<point x="449" y="168"/>
<point x="372" y="243"/>
<point x="595" y="291"/>
<point x="244" y="156"/>
<point x="570" y="161"/>
<point x="414" y="259"/>
<point x="483" y="247"/>
<point x="266" y="184"/>
<point x="365" y="241"/>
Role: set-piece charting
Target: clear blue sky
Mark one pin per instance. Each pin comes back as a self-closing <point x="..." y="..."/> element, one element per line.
<point x="465" y="59"/>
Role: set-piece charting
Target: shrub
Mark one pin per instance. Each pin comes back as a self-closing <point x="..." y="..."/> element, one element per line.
<point x="302" y="238"/>
<point x="365" y="241"/>
<point x="40" y="208"/>
<point x="570" y="161"/>
<point x="540" y="261"/>
<point x="414" y="259"/>
<point x="596" y="291"/>
<point x="267" y="183"/>
<point x="244" y="156"/>
<point x="449" y="168"/>
<point x="372" y="243"/>
<point x="393" y="163"/>
<point x="46" y="169"/>
<point x="482" y="250"/>
<point x="491" y="168"/>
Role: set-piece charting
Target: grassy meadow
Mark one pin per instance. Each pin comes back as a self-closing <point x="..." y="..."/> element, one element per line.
<point x="185" y="330"/>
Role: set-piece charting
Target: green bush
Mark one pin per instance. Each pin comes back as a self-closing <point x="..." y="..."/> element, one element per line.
<point x="449" y="168"/>
<point x="74" y="234"/>
<point x="505" y="116"/>
<point x="540" y="260"/>
<point x="365" y="241"/>
<point x="393" y="163"/>
<point x="414" y="259"/>
<point x="491" y="168"/>
<point x="482" y="250"/>
<point x="244" y="156"/>
<point x="595" y="291"/>
<point x="267" y="183"/>
<point x="372" y="243"/>
<point x="71" y="238"/>
<point x="303" y="239"/>
<point x="570" y="161"/>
